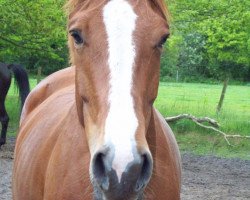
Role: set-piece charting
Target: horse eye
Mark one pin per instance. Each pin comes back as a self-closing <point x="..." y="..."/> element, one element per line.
<point x="77" y="37"/>
<point x="162" y="41"/>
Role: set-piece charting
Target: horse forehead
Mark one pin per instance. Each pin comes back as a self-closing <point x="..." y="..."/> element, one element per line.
<point x="119" y="9"/>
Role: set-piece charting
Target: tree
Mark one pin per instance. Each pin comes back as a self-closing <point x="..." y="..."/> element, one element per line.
<point x="170" y="56"/>
<point x="223" y="26"/>
<point x="227" y="34"/>
<point x="215" y="37"/>
<point x="33" y="33"/>
<point x="192" y="55"/>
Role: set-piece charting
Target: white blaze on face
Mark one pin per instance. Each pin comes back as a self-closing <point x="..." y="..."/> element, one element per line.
<point x="121" y="123"/>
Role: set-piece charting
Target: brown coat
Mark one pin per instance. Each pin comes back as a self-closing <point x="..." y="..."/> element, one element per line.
<point x="52" y="155"/>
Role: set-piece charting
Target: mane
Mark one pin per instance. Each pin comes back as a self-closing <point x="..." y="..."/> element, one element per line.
<point x="159" y="5"/>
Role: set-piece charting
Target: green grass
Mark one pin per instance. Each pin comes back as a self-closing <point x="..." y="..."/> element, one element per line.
<point x="201" y="100"/>
<point x="196" y="99"/>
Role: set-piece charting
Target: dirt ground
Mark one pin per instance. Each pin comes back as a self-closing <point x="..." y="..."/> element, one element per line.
<point x="204" y="177"/>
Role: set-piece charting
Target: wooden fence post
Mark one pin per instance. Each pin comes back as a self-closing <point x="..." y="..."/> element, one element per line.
<point x="39" y="74"/>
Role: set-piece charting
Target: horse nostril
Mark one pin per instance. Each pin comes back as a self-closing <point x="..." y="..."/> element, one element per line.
<point x="146" y="172"/>
<point x="100" y="171"/>
<point x="98" y="166"/>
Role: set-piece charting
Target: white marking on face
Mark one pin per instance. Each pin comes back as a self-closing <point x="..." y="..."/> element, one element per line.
<point x="121" y="122"/>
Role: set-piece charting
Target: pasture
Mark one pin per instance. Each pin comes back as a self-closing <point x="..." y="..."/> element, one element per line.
<point x="196" y="99"/>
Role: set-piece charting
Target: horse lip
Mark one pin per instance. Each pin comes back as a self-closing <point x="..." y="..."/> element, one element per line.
<point x="100" y="195"/>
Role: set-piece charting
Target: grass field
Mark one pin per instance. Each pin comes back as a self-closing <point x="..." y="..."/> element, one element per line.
<point x="196" y="99"/>
<point x="201" y="100"/>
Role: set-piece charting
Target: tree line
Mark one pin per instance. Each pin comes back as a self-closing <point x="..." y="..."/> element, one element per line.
<point x="33" y="33"/>
<point x="209" y="38"/>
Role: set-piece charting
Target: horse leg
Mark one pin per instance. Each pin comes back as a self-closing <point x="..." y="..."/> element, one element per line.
<point x="4" y="122"/>
<point x="4" y="118"/>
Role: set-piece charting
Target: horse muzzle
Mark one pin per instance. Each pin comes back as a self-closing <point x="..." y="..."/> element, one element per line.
<point x="130" y="185"/>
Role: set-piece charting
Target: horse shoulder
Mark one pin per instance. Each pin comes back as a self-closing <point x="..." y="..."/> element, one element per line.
<point x="67" y="174"/>
<point x="166" y="179"/>
<point x="170" y="139"/>
<point x="51" y="151"/>
<point x="46" y="88"/>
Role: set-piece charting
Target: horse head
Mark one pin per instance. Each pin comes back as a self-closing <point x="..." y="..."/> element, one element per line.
<point x="116" y="47"/>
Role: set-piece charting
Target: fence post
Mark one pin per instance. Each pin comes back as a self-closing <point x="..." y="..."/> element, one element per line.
<point x="39" y="74"/>
<point x="177" y="76"/>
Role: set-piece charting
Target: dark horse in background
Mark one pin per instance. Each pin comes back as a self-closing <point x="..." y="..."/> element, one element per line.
<point x="22" y="81"/>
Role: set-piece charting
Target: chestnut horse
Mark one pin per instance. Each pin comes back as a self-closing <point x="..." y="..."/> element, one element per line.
<point x="91" y="131"/>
